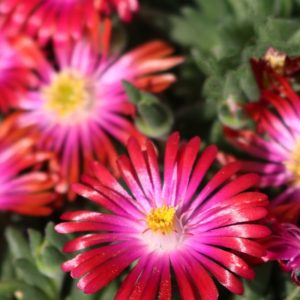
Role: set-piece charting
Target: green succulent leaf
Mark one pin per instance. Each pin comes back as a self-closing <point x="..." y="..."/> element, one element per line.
<point x="35" y="240"/>
<point x="9" y="287"/>
<point x="133" y="93"/>
<point x="31" y="275"/>
<point x="17" y="244"/>
<point x="154" y="118"/>
<point x="36" y="264"/>
<point x="27" y="292"/>
<point x="53" y="238"/>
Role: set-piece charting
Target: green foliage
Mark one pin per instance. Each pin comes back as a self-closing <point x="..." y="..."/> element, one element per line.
<point x="222" y="36"/>
<point x="35" y="265"/>
<point x="270" y="284"/>
<point x="32" y="269"/>
<point x="154" y="118"/>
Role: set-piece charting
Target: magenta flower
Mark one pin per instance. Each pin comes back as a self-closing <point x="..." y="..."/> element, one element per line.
<point x="81" y="104"/>
<point x="284" y="245"/>
<point x="275" y="144"/>
<point x="62" y="19"/>
<point x="15" y="70"/>
<point x="166" y="226"/>
<point x="28" y="177"/>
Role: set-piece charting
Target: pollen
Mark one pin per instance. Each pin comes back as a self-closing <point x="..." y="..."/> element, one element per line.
<point x="162" y="219"/>
<point x="66" y="94"/>
<point x="293" y="163"/>
<point x="275" y="59"/>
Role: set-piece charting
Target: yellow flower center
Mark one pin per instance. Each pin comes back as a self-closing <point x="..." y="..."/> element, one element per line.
<point x="162" y="219"/>
<point x="67" y="94"/>
<point x="275" y="59"/>
<point x="293" y="163"/>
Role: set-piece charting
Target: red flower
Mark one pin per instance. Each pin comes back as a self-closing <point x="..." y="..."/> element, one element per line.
<point x="274" y="63"/>
<point x="164" y="225"/>
<point x="62" y="20"/>
<point x="26" y="188"/>
<point x="284" y="245"/>
<point x="15" y="70"/>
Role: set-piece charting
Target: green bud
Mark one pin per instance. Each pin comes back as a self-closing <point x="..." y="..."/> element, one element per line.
<point x="133" y="93"/>
<point x="154" y="118"/>
<point x="232" y="115"/>
<point x="53" y="238"/>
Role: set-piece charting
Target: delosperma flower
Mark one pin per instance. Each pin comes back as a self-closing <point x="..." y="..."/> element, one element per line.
<point x="272" y="63"/>
<point x="82" y="105"/>
<point x="275" y="144"/>
<point x="166" y="226"/>
<point x="63" y="20"/>
<point x="284" y="245"/>
<point x="15" y="70"/>
<point x="26" y="188"/>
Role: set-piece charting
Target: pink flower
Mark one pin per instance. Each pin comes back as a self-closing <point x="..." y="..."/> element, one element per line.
<point x="275" y="144"/>
<point x="63" y="19"/>
<point x="25" y="187"/>
<point x="15" y="70"/>
<point x="81" y="104"/>
<point x="284" y="245"/>
<point x="166" y="225"/>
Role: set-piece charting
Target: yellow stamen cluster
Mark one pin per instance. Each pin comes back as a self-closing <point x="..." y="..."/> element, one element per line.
<point x="162" y="219"/>
<point x="293" y="164"/>
<point x="275" y="59"/>
<point x="66" y="94"/>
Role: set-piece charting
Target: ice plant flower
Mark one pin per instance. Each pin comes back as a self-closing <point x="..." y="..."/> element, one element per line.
<point x="15" y="70"/>
<point x="272" y="63"/>
<point x="284" y="245"/>
<point x="25" y="187"/>
<point x="61" y="20"/>
<point x="125" y="8"/>
<point x="275" y="145"/>
<point x="81" y="104"/>
<point x="164" y="227"/>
